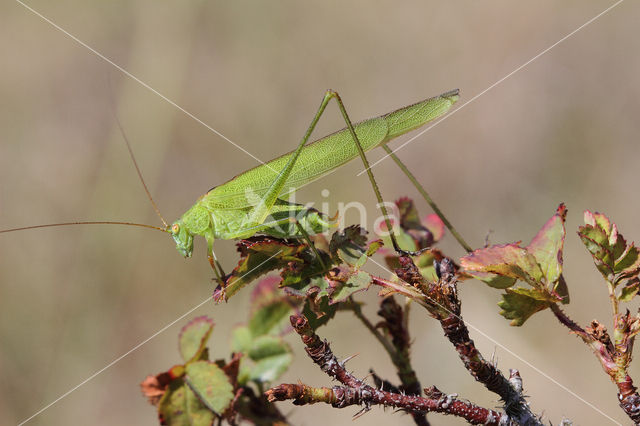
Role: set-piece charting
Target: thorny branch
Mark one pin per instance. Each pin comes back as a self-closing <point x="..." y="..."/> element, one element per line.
<point x="443" y="304"/>
<point x="356" y="392"/>
<point x="395" y="325"/>
<point x="396" y="342"/>
<point x="614" y="356"/>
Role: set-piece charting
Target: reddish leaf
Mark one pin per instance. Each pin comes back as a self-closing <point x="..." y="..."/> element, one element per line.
<point x="409" y="217"/>
<point x="509" y="260"/>
<point x="547" y="246"/>
<point x="154" y="387"/>
<point x="259" y="255"/>
<point x="618" y="261"/>
<point x="434" y="224"/>
<point x="265" y="292"/>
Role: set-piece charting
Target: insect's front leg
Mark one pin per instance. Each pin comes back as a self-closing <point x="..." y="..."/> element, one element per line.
<point x="213" y="260"/>
<point x="263" y="207"/>
<point x="306" y="237"/>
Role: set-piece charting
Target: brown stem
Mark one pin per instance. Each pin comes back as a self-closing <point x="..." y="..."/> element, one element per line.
<point x="344" y="396"/>
<point x="395" y="325"/>
<point x="566" y="321"/>
<point x="629" y="399"/>
<point x="486" y="373"/>
<point x="358" y="392"/>
<point x="258" y="409"/>
<point x="444" y="305"/>
<point x="614" y="357"/>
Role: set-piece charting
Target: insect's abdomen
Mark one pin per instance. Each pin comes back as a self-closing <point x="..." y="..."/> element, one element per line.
<point x="317" y="159"/>
<point x="326" y="154"/>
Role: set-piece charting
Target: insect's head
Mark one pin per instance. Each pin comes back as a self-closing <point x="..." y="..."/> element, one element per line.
<point x="182" y="237"/>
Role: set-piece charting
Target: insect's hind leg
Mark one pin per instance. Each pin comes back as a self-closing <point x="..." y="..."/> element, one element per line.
<point x="262" y="210"/>
<point x="372" y="179"/>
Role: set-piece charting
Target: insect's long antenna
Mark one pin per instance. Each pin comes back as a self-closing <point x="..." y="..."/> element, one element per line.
<point x="135" y="163"/>
<point x="51" y="225"/>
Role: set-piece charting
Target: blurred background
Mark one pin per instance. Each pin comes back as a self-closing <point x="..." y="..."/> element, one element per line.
<point x="73" y="299"/>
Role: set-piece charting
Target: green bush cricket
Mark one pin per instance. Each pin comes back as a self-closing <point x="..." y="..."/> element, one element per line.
<point x="239" y="207"/>
<point x="242" y="206"/>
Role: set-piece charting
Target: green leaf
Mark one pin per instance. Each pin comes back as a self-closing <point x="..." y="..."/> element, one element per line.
<point x="534" y="293"/>
<point x="547" y="246"/>
<point x="597" y="220"/>
<point x="597" y="242"/>
<point x="319" y="312"/>
<point x="494" y="280"/>
<point x="409" y="217"/>
<point x="628" y="292"/>
<point x="241" y="339"/>
<point x="307" y="287"/>
<point x="519" y="307"/>
<point x="509" y="260"/>
<point x="181" y="407"/>
<point x="272" y="356"/>
<point x="265" y="292"/>
<point x="193" y="338"/>
<point x="373" y="247"/>
<point x="269" y="318"/>
<point x="259" y="255"/>
<point x="405" y="241"/>
<point x="618" y="262"/>
<point x="210" y="384"/>
<point x="424" y="262"/>
<point x="630" y="259"/>
<point x="412" y="226"/>
<point x="348" y="245"/>
<point x="356" y="282"/>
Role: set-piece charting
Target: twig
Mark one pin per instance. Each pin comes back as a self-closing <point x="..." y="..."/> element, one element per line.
<point x="388" y="346"/>
<point x="443" y="304"/>
<point x="397" y="348"/>
<point x="614" y="356"/>
<point x="396" y="326"/>
<point x="355" y="391"/>
<point x="344" y="396"/>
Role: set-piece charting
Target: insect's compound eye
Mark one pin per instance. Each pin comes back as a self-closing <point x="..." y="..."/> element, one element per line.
<point x="175" y="228"/>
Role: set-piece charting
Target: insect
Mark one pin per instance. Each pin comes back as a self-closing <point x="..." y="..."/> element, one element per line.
<point x="252" y="202"/>
<point x="240" y="207"/>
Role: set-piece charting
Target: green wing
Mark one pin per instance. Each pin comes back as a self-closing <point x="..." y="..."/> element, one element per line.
<point x="326" y="154"/>
<point x="317" y="159"/>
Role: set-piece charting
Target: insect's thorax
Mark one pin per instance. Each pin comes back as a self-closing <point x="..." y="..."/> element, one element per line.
<point x="280" y="222"/>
